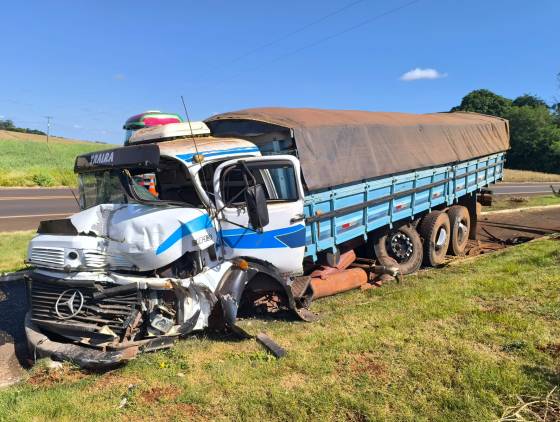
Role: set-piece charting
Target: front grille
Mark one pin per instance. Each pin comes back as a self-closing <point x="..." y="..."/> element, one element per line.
<point x="99" y="260"/>
<point x="95" y="260"/>
<point x="49" y="257"/>
<point x="114" y="312"/>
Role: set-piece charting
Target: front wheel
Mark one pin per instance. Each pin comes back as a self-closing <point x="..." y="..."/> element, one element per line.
<point x="402" y="245"/>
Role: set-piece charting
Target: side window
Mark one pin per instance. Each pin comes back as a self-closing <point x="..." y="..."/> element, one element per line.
<point x="277" y="177"/>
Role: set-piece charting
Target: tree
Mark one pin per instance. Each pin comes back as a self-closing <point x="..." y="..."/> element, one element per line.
<point x="529" y="100"/>
<point x="6" y="124"/>
<point x="534" y="128"/>
<point x="535" y="140"/>
<point x="485" y="102"/>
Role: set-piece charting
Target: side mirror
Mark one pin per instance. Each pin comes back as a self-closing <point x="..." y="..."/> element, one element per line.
<point x="257" y="209"/>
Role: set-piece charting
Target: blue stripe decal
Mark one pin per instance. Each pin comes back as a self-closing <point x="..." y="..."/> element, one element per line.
<point x="287" y="237"/>
<point x="189" y="157"/>
<point x="190" y="227"/>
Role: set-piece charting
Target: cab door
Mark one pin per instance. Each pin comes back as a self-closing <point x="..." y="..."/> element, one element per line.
<point x="281" y="241"/>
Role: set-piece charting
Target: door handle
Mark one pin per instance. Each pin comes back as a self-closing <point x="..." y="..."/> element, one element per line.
<point x="297" y="217"/>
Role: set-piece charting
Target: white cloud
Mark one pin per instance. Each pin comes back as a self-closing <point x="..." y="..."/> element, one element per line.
<point x="418" y="73"/>
<point x="119" y="77"/>
<point x="2" y="116"/>
<point x="78" y="127"/>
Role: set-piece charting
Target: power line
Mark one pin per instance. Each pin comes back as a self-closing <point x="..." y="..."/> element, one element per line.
<point x="322" y="40"/>
<point x="294" y="32"/>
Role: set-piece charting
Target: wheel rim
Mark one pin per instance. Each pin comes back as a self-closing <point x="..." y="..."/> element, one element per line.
<point x="441" y="238"/>
<point x="400" y="246"/>
<point x="461" y="231"/>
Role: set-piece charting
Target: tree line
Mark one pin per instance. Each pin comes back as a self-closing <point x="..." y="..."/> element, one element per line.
<point x="9" y="125"/>
<point x="534" y="127"/>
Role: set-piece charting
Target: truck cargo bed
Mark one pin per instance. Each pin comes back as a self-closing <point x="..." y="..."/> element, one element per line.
<point x="337" y="215"/>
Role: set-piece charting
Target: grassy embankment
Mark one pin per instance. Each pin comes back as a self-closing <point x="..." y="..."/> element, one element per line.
<point x="25" y="159"/>
<point x="513" y="202"/>
<point x="13" y="247"/>
<point x="529" y="176"/>
<point x="458" y="343"/>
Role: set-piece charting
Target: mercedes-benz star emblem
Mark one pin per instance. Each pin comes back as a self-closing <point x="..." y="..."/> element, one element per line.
<point x="70" y="299"/>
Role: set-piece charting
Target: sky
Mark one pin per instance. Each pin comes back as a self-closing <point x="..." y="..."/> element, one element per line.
<point x="91" y="65"/>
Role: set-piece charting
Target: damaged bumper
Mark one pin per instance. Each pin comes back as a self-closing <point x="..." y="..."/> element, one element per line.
<point x="42" y="346"/>
<point x="96" y="322"/>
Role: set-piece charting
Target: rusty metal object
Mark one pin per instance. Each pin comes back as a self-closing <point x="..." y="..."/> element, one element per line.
<point x="346" y="259"/>
<point x="338" y="282"/>
<point x="485" y="197"/>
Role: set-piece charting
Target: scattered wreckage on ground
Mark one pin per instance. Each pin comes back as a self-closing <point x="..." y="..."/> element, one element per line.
<point x="261" y="208"/>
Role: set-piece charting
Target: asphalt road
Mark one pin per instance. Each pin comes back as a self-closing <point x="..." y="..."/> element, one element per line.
<point x="539" y="188"/>
<point x="22" y="209"/>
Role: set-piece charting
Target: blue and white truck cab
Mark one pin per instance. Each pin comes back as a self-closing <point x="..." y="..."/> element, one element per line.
<point x="245" y="210"/>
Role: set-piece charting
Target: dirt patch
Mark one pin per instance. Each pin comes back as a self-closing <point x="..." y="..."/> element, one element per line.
<point x="46" y="377"/>
<point x="112" y="380"/>
<point x="529" y="223"/>
<point x="553" y="349"/>
<point x="366" y="363"/>
<point x="498" y="231"/>
<point x="160" y="394"/>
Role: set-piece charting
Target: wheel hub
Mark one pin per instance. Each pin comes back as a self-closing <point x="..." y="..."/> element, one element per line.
<point x="462" y="232"/>
<point x="401" y="246"/>
<point x="441" y="238"/>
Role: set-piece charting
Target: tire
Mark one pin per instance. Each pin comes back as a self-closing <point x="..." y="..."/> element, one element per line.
<point x="402" y="245"/>
<point x="460" y="222"/>
<point x="435" y="229"/>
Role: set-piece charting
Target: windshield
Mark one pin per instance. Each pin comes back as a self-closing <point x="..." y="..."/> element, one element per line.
<point x="108" y="187"/>
<point x="168" y="184"/>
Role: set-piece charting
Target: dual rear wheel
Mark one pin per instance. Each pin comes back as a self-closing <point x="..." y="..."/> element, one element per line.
<point x="442" y="233"/>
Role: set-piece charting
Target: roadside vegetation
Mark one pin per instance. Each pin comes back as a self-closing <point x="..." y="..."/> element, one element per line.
<point x="511" y="175"/>
<point x="25" y="159"/>
<point x="13" y="247"/>
<point x="466" y="342"/>
<point x="534" y="127"/>
<point x="512" y="202"/>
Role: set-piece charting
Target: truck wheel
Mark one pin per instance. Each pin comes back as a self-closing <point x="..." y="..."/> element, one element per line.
<point x="435" y="229"/>
<point x="460" y="222"/>
<point x="402" y="245"/>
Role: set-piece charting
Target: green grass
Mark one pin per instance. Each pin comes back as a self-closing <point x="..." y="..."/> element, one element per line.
<point x="28" y="161"/>
<point x="458" y="343"/>
<point x="503" y="203"/>
<point x="13" y="248"/>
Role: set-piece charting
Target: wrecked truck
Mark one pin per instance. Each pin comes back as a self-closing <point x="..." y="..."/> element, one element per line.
<point x="247" y="206"/>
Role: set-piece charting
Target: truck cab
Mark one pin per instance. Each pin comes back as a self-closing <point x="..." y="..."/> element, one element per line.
<point x="134" y="269"/>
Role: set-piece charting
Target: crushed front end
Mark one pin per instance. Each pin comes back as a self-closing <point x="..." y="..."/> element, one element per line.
<point x="119" y="278"/>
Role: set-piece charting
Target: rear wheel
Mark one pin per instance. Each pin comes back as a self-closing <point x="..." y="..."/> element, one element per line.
<point x="402" y="245"/>
<point x="460" y="221"/>
<point x="435" y="229"/>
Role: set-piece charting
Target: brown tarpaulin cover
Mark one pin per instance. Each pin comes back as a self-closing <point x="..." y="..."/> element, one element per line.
<point x="336" y="147"/>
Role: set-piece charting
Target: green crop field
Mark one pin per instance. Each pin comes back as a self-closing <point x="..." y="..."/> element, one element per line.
<point x="25" y="160"/>
<point x="458" y="343"/>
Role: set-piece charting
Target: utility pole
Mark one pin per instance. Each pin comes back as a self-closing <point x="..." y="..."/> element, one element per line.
<point x="48" y="127"/>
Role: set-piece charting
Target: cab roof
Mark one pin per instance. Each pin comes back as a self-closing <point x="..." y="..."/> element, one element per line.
<point x="148" y="155"/>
